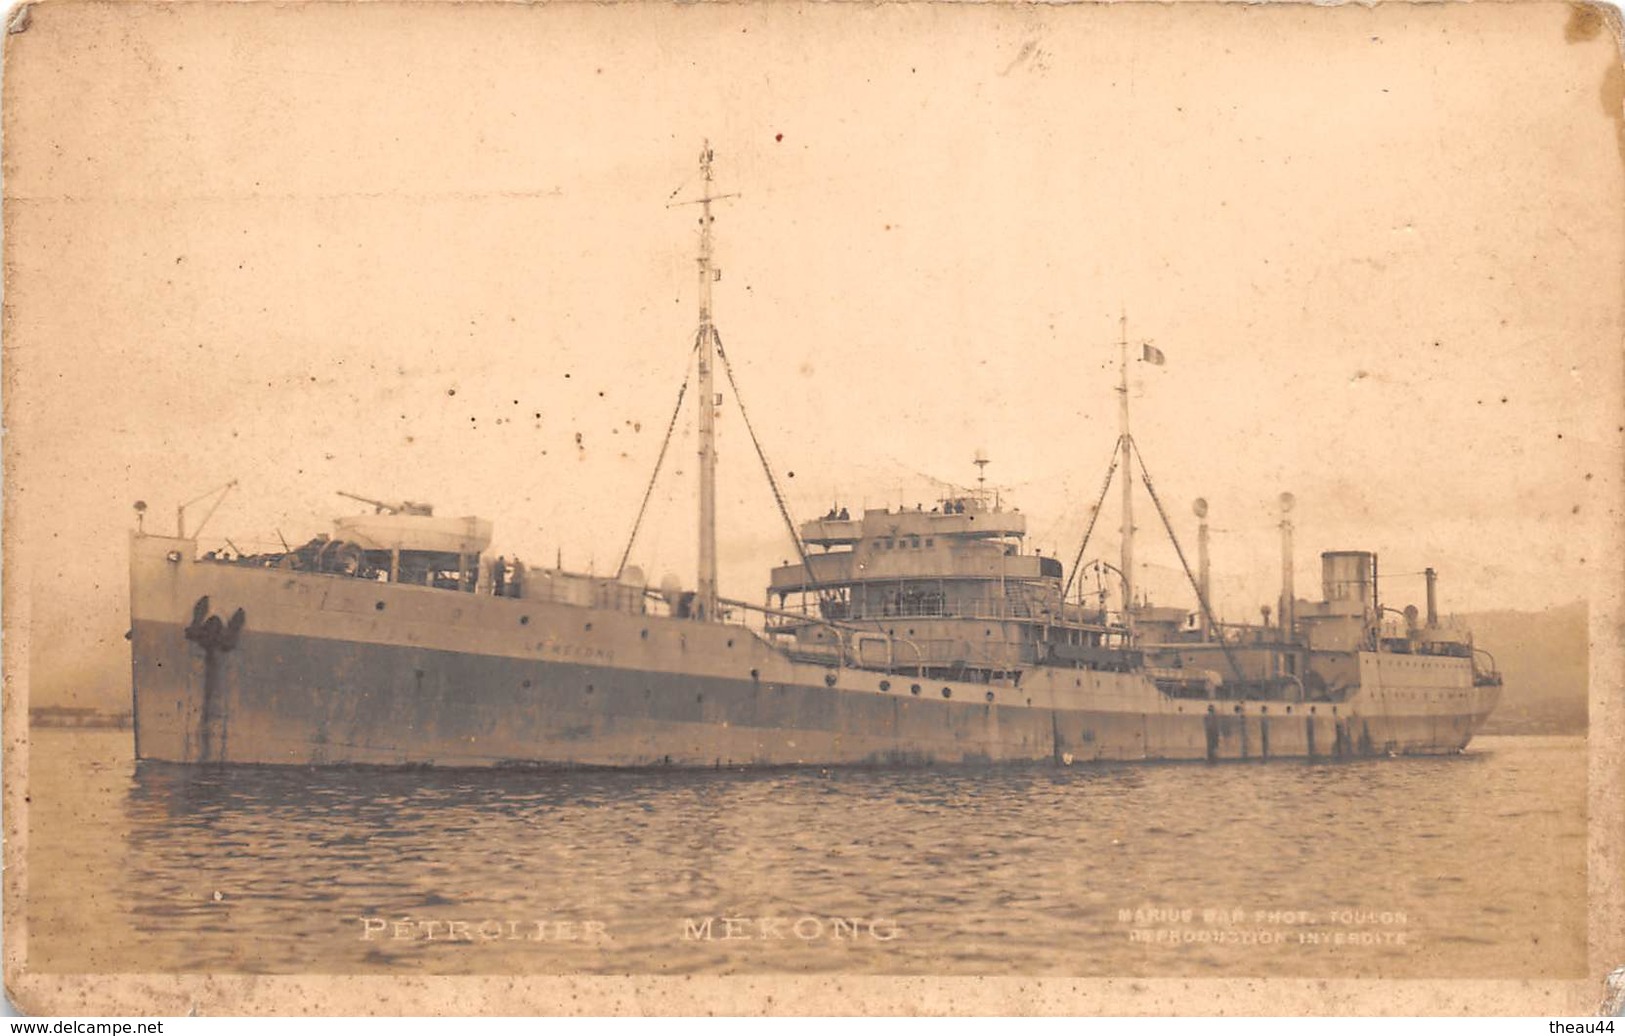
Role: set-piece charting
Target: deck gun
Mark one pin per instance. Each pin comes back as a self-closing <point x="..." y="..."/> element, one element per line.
<point x="383" y="507"/>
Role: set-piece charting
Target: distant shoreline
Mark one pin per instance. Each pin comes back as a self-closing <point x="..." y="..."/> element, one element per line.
<point x="1516" y="727"/>
<point x="51" y="718"/>
<point x="78" y="718"/>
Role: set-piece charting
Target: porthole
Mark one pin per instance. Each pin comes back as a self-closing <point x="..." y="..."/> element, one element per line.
<point x="587" y="627"/>
<point x="1238" y="710"/>
<point x="990" y="696"/>
<point x="914" y="688"/>
<point x="524" y="620"/>
<point x="947" y="692"/>
<point x="589" y="688"/>
<point x="644" y="634"/>
<point x="829" y="679"/>
<point x="755" y="674"/>
<point x="1289" y="710"/>
<point x="730" y="642"/>
<point x="525" y="683"/>
<point x="379" y="606"/>
<point x="885" y="685"/>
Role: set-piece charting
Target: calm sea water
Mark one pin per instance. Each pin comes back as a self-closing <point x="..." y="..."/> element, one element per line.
<point x="1470" y="866"/>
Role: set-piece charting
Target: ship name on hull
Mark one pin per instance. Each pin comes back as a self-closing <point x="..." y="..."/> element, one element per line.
<point x="579" y="652"/>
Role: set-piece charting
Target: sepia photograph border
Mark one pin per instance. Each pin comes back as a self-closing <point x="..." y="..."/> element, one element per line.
<point x="844" y="994"/>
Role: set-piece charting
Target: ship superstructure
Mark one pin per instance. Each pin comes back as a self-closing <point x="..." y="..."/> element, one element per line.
<point x="923" y="636"/>
<point x="948" y="592"/>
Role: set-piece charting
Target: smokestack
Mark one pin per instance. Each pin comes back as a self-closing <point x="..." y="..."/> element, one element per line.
<point x="1433" y="599"/>
<point x="1288" y="610"/>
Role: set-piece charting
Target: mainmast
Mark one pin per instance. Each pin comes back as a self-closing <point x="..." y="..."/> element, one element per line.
<point x="705" y="601"/>
<point x="1126" y="561"/>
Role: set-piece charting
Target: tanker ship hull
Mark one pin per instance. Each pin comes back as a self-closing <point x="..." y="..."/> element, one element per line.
<point x="328" y="670"/>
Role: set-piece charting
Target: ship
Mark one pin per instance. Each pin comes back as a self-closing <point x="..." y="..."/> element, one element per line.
<point x="897" y="637"/>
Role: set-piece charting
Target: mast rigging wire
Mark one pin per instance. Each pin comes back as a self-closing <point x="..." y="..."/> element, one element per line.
<point x="1145" y="475"/>
<point x="659" y="461"/>
<point x="1093" y="517"/>
<point x="767" y="469"/>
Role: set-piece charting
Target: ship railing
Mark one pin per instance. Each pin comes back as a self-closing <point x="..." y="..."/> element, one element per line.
<point x="815" y="612"/>
<point x="871" y="649"/>
<point x="1489" y="676"/>
<point x="848" y="644"/>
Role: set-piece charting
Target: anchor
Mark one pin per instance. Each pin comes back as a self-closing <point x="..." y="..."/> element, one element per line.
<point x="215" y="638"/>
<point x="209" y="633"/>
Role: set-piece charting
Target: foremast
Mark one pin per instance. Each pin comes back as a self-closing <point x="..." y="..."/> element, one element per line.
<point x="1126" y="560"/>
<point x="705" y="598"/>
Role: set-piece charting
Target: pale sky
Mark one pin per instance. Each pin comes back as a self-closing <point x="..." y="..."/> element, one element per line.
<point x="364" y="247"/>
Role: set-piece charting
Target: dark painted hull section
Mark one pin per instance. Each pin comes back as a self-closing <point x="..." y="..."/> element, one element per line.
<point x="334" y="671"/>
<point x="300" y="700"/>
<point x="314" y="701"/>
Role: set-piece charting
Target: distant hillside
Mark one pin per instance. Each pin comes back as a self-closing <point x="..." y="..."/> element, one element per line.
<point x="1545" y="659"/>
<point x="80" y="672"/>
<point x="77" y="717"/>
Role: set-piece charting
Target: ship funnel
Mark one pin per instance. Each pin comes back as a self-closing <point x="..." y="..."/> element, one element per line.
<point x="1433" y="598"/>
<point x="1288" y="611"/>
<point x="1349" y="575"/>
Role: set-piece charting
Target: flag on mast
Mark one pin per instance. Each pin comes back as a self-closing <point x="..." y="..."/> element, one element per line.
<point x="1152" y="354"/>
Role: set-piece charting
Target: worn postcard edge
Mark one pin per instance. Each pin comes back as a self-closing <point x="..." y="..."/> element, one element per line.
<point x="791" y="994"/>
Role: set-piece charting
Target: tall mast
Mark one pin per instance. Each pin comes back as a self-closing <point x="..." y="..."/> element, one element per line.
<point x="1204" y="592"/>
<point x="1127" y="560"/>
<point x="705" y="603"/>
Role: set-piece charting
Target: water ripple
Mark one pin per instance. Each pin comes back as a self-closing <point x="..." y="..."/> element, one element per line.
<point x="1020" y="871"/>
